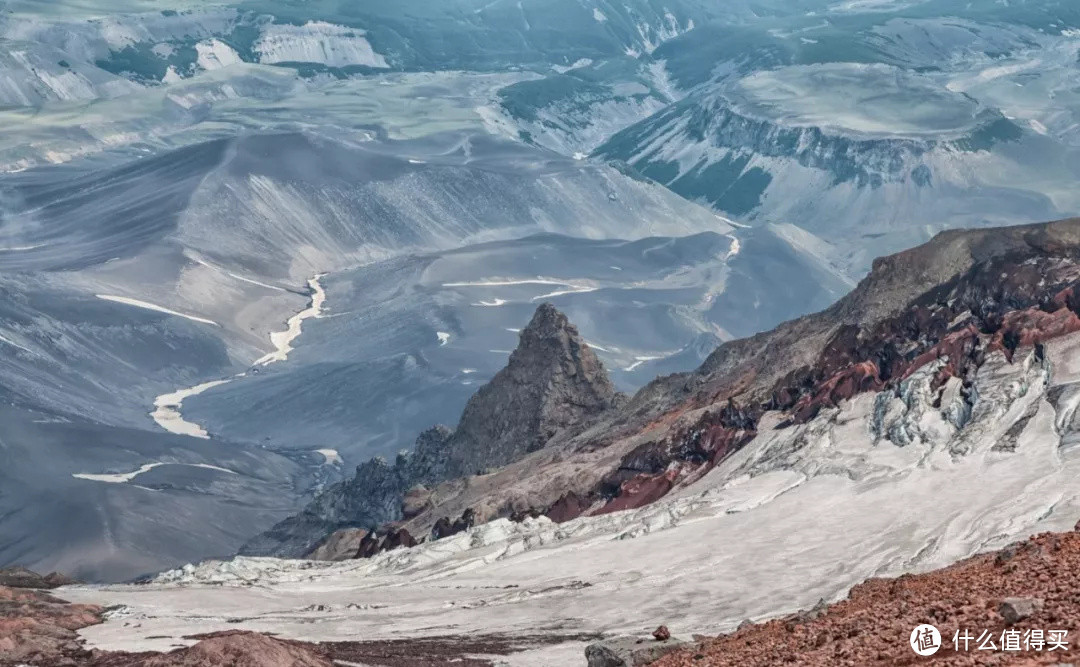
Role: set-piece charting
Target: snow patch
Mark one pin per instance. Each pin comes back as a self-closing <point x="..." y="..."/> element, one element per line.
<point x="151" y="306"/>
<point x="121" y="478"/>
<point x="167" y="410"/>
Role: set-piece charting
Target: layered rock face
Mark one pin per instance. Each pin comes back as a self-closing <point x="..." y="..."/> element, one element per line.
<point x="553" y="386"/>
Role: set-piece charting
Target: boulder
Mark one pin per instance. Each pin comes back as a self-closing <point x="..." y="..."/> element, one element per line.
<point x="630" y="651"/>
<point x="1014" y="610"/>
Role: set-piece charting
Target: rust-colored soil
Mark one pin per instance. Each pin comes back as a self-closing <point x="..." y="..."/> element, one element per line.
<point x="873" y="626"/>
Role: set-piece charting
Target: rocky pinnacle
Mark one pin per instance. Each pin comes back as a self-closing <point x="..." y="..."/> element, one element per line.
<point x="552" y="384"/>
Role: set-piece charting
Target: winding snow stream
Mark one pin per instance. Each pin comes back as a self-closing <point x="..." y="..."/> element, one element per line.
<point x="167" y="406"/>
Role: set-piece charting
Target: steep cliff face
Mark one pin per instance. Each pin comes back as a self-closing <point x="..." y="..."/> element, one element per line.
<point x="553" y="386"/>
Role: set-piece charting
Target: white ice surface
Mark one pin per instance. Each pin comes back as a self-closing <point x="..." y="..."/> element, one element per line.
<point x="331" y="455"/>
<point x="216" y="54"/>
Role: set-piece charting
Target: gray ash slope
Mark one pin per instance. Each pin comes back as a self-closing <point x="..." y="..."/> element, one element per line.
<point x="552" y="386"/>
<point x="415" y="236"/>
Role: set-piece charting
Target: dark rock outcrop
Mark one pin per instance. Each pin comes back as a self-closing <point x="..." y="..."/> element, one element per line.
<point x="444" y="527"/>
<point x="553" y="384"/>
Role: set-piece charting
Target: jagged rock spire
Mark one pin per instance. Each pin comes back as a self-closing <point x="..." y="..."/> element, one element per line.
<point x="552" y="383"/>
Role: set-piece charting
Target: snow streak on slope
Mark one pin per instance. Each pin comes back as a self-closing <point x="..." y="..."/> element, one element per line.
<point x="150" y="306"/>
<point x="282" y="340"/>
<point x="120" y="478"/>
<point x="167" y="410"/>
<point x="814" y="509"/>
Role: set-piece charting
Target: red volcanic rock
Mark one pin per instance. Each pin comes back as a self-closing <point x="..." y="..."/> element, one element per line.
<point x="569" y="506"/>
<point x="661" y="634"/>
<point x="1026" y="328"/>
<point x="641" y="491"/>
<point x="1026" y="586"/>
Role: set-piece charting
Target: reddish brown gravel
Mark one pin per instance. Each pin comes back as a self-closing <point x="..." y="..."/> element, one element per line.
<point x="873" y="626"/>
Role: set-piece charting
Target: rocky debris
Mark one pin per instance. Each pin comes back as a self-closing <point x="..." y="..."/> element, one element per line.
<point x="20" y="577"/>
<point x="233" y="648"/>
<point x="631" y="651"/>
<point x="873" y="626"/>
<point x="553" y="385"/>
<point x="661" y="634"/>
<point x="1014" y="610"/>
<point x="339" y="545"/>
<point x="469" y="650"/>
<point x="445" y="528"/>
